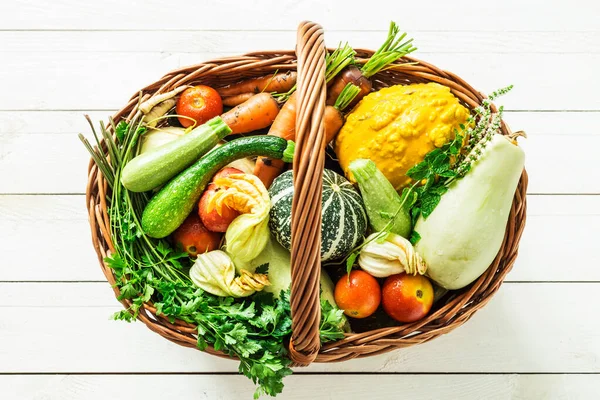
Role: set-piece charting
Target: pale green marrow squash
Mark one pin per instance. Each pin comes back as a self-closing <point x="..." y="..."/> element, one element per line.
<point x="463" y="235"/>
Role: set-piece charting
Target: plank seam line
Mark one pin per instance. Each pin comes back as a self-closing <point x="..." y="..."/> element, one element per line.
<point x="283" y="30"/>
<point x="298" y="372"/>
<point x="113" y="110"/>
<point x="518" y="282"/>
<point x="83" y="194"/>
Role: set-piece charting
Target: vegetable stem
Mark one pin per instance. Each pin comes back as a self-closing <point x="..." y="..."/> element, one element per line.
<point x="346" y="97"/>
<point x="339" y="59"/>
<point x="391" y="50"/>
<point x="288" y="153"/>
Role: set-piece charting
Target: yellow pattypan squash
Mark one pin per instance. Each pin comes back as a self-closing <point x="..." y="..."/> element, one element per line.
<point x="397" y="126"/>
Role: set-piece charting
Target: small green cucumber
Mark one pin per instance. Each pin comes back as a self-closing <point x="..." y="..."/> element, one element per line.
<point x="174" y="202"/>
<point x="381" y="199"/>
<point x="154" y="168"/>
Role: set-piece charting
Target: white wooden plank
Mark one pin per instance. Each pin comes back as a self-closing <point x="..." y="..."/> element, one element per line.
<point x="559" y="229"/>
<point x="56" y="229"/>
<point x="196" y="41"/>
<point x="221" y="387"/>
<point x="57" y="163"/>
<point x="44" y="163"/>
<point x="107" y="80"/>
<point x="526" y="328"/>
<point x="455" y="16"/>
<point x="56" y="122"/>
<point x="550" y="123"/>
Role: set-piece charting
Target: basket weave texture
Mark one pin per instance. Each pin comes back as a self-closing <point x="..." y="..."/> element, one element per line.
<point x="309" y="61"/>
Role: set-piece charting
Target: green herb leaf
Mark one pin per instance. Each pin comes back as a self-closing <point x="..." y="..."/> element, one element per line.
<point x="262" y="269"/>
<point x="429" y="202"/>
<point x="128" y="291"/>
<point x="201" y="344"/>
<point x="414" y="237"/>
<point x="121" y="130"/>
<point x="332" y="322"/>
<point x="350" y="261"/>
<point x="148" y="292"/>
<point x="419" y="171"/>
<point x="123" y="315"/>
<point x="447" y="174"/>
<point x="415" y="212"/>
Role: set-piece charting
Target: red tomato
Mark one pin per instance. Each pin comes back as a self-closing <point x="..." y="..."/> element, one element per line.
<point x="407" y="298"/>
<point x="213" y="220"/>
<point x="359" y="296"/>
<point x="200" y="103"/>
<point x="194" y="237"/>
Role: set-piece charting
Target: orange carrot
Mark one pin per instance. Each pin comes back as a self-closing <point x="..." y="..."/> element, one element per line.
<point x="391" y="50"/>
<point x="349" y="75"/>
<point x="258" y="112"/>
<point x="238" y="99"/>
<point x="267" y="169"/>
<point x="279" y="83"/>
<point x="333" y="119"/>
<point x="284" y="126"/>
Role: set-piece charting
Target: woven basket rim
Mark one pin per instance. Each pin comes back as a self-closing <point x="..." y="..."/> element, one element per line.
<point x="457" y="309"/>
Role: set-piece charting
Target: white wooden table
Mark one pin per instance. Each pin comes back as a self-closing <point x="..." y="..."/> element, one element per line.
<point x="539" y="338"/>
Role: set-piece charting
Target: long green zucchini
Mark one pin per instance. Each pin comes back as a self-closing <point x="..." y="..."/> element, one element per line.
<point x="173" y="203"/>
<point x="154" y="168"/>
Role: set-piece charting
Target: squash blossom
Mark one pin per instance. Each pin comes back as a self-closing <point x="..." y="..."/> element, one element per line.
<point x="248" y="234"/>
<point x="215" y="272"/>
<point x="397" y="126"/>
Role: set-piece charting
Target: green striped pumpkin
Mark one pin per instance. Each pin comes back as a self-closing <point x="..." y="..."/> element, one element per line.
<point x="344" y="219"/>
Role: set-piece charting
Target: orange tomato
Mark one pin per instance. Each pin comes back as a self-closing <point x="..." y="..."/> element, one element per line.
<point x="200" y="103"/>
<point x="213" y="220"/>
<point x="407" y="298"/>
<point x="194" y="238"/>
<point x="358" y="295"/>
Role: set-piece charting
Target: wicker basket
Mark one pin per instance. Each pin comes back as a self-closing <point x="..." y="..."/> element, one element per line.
<point x="309" y="61"/>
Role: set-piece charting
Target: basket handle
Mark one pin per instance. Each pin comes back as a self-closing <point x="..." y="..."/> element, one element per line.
<point x="309" y="161"/>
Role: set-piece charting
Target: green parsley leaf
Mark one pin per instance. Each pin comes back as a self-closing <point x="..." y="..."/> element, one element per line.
<point x="128" y="291"/>
<point x="201" y="344"/>
<point x="163" y="248"/>
<point x="123" y="315"/>
<point x="332" y="322"/>
<point x="121" y="129"/>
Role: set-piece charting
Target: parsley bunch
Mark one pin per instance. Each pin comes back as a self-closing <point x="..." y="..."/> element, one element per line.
<point x="252" y="329"/>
